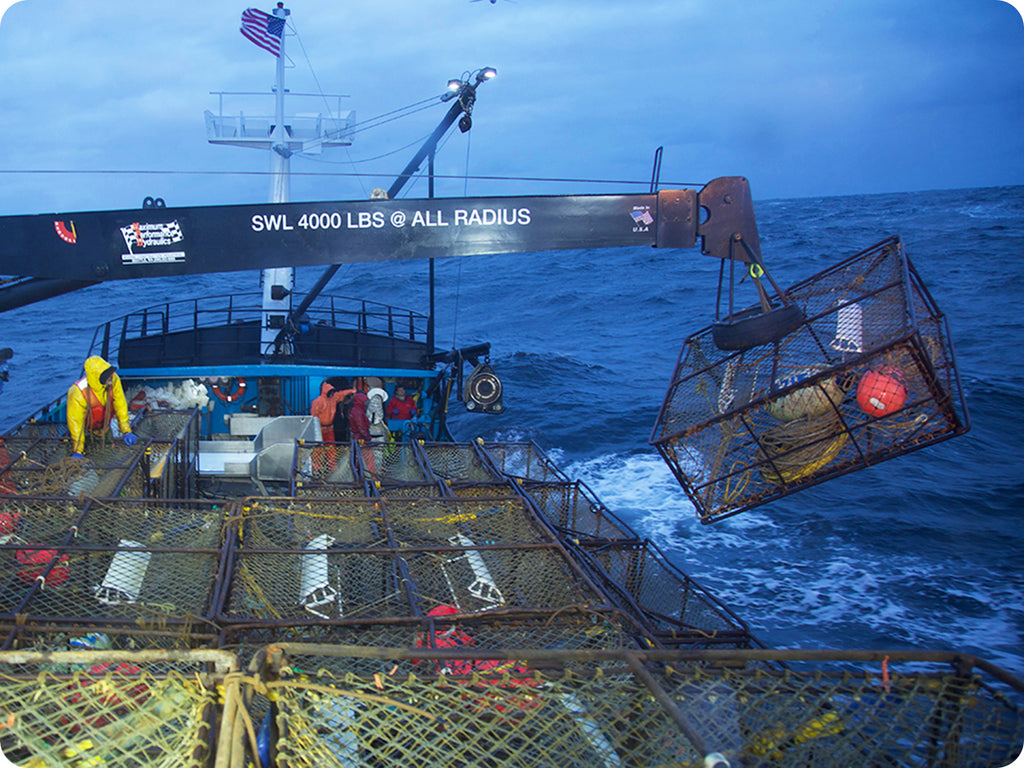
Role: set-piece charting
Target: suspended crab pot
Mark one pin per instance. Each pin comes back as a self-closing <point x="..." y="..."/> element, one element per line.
<point x="866" y="375"/>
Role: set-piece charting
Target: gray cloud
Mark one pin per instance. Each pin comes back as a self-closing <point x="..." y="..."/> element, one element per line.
<point x="803" y="98"/>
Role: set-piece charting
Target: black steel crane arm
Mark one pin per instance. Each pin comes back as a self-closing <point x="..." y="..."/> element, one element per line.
<point x="155" y="242"/>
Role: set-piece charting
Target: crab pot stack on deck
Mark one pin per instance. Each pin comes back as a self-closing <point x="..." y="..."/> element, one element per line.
<point x="103" y="707"/>
<point x="121" y="573"/>
<point x="867" y="376"/>
<point x="35" y="460"/>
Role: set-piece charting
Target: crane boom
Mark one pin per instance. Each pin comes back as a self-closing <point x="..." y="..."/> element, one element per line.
<point x="155" y="242"/>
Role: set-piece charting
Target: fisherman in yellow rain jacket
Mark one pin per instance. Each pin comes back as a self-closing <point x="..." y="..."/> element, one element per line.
<point x="93" y="401"/>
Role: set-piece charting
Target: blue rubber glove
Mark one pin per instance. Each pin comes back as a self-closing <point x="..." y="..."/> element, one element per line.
<point x="130" y="439"/>
<point x="77" y="456"/>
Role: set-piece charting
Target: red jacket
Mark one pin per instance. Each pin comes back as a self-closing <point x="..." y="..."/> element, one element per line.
<point x="357" y="419"/>
<point x="401" y="409"/>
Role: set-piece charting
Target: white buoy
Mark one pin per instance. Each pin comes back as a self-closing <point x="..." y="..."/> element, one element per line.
<point x="483" y="586"/>
<point x="849" y="329"/>
<point x="123" y="580"/>
<point x="315" y="590"/>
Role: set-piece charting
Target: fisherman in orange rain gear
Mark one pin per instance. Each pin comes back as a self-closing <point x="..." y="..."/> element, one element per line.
<point x="323" y="409"/>
<point x="332" y="392"/>
<point x="93" y="400"/>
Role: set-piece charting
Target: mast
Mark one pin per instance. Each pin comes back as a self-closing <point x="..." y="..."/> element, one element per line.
<point x="277" y="283"/>
<point x="283" y="136"/>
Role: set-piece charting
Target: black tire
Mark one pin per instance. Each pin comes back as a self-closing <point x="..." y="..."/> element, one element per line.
<point x="754" y="327"/>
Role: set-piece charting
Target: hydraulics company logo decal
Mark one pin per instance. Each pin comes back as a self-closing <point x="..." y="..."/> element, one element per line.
<point x="139" y="238"/>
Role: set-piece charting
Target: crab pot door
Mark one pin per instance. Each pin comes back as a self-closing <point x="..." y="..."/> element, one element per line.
<point x="869" y="375"/>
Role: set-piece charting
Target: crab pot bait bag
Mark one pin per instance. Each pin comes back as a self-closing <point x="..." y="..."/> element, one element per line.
<point x="867" y="376"/>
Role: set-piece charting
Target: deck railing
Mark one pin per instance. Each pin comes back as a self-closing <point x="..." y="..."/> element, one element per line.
<point x="226" y="328"/>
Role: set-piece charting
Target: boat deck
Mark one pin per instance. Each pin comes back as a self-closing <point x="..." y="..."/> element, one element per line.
<point x="463" y="603"/>
<point x="494" y="531"/>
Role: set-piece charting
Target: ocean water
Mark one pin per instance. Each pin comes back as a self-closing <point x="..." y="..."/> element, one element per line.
<point x="925" y="551"/>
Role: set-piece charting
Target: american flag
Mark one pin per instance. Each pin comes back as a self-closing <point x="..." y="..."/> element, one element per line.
<point x="263" y="29"/>
<point x="642" y="216"/>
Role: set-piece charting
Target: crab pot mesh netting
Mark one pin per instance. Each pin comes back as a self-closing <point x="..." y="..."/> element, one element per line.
<point x="387" y="469"/>
<point x="481" y="490"/>
<point x="417" y="469"/>
<point x="569" y="628"/>
<point x="170" y="425"/>
<point x="869" y="375"/>
<point x="323" y="464"/>
<point x="38" y="461"/>
<point x="246" y="638"/>
<point x="44" y="467"/>
<point x="31" y="428"/>
<point x="330" y="490"/>
<point x="146" y="562"/>
<point x="391" y="463"/>
<point x="93" y="708"/>
<point x="25" y="451"/>
<point x="574" y="509"/>
<point x="523" y="462"/>
<point x="446" y="696"/>
<point x="459" y="463"/>
<point x="333" y="706"/>
<point x="31" y="530"/>
<point x="676" y="610"/>
<point x="101" y="634"/>
<point x="408" y="490"/>
<point x="376" y="557"/>
<point x="377" y="464"/>
<point x="505" y="618"/>
<point x="361" y="567"/>
<point x="465" y="522"/>
<point x="173" y="453"/>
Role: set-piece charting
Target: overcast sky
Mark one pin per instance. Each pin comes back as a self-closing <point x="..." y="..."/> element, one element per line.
<point x="804" y="98"/>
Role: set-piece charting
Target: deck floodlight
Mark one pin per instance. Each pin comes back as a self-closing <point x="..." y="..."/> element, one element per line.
<point x="482" y="391"/>
<point x="454" y="88"/>
<point x="487" y="73"/>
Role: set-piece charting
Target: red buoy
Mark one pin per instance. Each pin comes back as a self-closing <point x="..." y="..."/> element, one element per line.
<point x="33" y="563"/>
<point x="8" y="522"/>
<point x="881" y="392"/>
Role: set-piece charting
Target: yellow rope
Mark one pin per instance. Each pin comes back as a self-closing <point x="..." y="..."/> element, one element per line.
<point x="801" y="447"/>
<point x="54" y="479"/>
<point x="333" y="691"/>
<point x="798" y="471"/>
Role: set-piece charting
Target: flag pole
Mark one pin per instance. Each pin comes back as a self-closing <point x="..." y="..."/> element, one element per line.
<point x="280" y="157"/>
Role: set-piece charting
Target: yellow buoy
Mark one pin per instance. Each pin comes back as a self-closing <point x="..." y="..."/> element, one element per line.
<point x="815" y="399"/>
